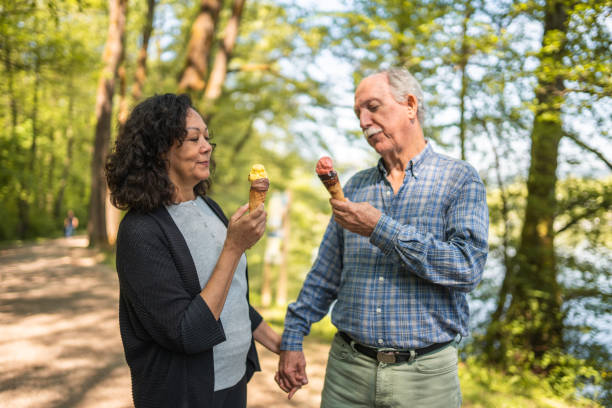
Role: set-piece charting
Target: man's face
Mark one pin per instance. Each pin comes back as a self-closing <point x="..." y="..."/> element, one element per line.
<point x="384" y="121"/>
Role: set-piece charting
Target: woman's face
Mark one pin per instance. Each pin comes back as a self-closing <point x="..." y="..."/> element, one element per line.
<point x="189" y="163"/>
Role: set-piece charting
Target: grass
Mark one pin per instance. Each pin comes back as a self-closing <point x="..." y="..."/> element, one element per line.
<point x="485" y="387"/>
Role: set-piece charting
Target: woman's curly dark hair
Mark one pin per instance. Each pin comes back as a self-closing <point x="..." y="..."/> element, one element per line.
<point x="137" y="168"/>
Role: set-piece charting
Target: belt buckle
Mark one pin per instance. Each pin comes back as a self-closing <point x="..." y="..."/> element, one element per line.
<point x="387" y="357"/>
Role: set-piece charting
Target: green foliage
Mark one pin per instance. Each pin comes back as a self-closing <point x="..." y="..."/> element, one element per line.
<point x="47" y="102"/>
<point x="484" y="386"/>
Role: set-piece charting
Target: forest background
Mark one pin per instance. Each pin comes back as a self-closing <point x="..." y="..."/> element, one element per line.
<point x="520" y="89"/>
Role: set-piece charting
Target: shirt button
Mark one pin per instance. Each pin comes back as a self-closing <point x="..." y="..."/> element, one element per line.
<point x="378" y="310"/>
<point x="380" y="278"/>
<point x="388" y="193"/>
<point x="380" y="341"/>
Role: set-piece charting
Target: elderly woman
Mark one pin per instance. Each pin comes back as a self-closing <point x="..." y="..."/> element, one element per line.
<point x="186" y="322"/>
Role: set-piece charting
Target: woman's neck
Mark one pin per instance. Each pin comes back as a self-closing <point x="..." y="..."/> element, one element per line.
<point x="183" y="194"/>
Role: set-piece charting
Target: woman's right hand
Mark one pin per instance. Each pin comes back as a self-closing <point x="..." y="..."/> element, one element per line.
<point x="244" y="230"/>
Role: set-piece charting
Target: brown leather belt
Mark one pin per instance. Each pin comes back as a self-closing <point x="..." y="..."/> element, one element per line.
<point x="389" y="356"/>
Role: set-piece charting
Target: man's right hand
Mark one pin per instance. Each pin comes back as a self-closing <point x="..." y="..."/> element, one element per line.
<point x="291" y="375"/>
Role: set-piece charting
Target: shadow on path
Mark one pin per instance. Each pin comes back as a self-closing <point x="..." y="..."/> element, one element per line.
<point x="60" y="344"/>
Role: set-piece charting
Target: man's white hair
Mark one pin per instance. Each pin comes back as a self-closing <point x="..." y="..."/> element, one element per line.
<point x="403" y="83"/>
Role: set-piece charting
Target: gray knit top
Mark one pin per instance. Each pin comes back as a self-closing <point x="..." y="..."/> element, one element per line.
<point x="205" y="235"/>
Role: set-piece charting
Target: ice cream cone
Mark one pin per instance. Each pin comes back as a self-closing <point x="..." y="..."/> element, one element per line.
<point x="329" y="177"/>
<point x="259" y="186"/>
<point x="332" y="184"/>
<point x="256" y="198"/>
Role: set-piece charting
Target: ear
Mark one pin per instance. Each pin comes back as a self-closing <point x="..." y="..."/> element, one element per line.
<point x="412" y="106"/>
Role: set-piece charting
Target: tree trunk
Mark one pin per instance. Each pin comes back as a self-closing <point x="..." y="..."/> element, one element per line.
<point x="281" y="288"/>
<point x="22" y="205"/>
<point x="49" y="185"/>
<point x="492" y="346"/>
<point x="113" y="215"/>
<point x="534" y="319"/>
<point x="122" y="113"/>
<point x="226" y="46"/>
<point x="8" y="65"/>
<point x="23" y="210"/>
<point x="69" y="135"/>
<point x="34" y="115"/>
<point x="266" y="290"/>
<point x="29" y="179"/>
<point x="195" y="72"/>
<point x="464" y="57"/>
<point x="59" y="199"/>
<point x="141" y="67"/>
<point x="113" y="53"/>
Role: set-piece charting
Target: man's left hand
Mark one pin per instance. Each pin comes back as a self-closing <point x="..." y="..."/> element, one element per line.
<point x="360" y="218"/>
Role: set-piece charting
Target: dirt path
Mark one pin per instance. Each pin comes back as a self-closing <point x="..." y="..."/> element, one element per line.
<point x="59" y="334"/>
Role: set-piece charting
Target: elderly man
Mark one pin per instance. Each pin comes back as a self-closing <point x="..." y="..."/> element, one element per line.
<point x="398" y="258"/>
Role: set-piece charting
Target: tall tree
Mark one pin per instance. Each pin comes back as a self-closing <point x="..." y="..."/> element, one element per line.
<point x="141" y="67"/>
<point x="67" y="162"/>
<point x="113" y="53"/>
<point x="193" y="77"/>
<point x="536" y="294"/>
<point x="530" y="320"/>
<point x="223" y="55"/>
<point x="464" y="55"/>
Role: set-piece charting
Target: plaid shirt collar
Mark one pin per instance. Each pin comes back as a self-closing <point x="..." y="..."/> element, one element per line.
<point x="413" y="166"/>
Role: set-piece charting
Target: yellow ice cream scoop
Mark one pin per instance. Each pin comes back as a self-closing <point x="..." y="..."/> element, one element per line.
<point x="259" y="186"/>
<point x="257" y="172"/>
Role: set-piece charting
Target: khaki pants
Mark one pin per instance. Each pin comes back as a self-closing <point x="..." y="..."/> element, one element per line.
<point x="354" y="380"/>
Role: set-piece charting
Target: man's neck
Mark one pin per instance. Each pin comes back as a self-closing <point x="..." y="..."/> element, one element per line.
<point x="397" y="161"/>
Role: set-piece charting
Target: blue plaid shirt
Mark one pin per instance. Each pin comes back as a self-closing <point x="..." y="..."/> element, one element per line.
<point x="404" y="286"/>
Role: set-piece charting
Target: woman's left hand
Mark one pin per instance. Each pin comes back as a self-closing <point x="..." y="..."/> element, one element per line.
<point x="267" y="337"/>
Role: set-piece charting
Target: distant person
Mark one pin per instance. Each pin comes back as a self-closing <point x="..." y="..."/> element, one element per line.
<point x="399" y="258"/>
<point x="186" y="322"/>
<point x="70" y="224"/>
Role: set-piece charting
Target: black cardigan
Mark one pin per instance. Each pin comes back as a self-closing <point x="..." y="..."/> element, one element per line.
<point x="167" y="329"/>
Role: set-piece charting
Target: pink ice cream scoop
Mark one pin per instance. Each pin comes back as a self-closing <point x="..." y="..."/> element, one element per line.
<point x="324" y="165"/>
<point x="329" y="177"/>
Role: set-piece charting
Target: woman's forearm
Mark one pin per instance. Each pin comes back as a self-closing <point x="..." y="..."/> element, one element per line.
<point x="243" y="232"/>
<point x="267" y="337"/>
<point x="216" y="289"/>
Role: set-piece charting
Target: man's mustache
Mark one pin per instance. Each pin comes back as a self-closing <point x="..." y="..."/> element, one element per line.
<point x="372" y="131"/>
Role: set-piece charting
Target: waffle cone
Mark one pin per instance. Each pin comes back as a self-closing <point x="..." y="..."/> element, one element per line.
<point x="336" y="191"/>
<point x="256" y="198"/>
<point x="332" y="184"/>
